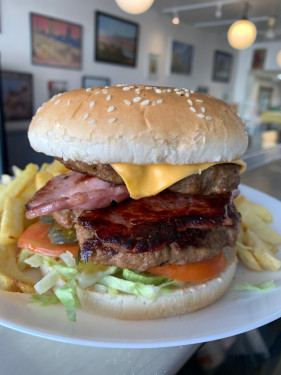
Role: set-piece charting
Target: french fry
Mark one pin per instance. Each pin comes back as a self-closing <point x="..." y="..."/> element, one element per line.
<point x="245" y="255"/>
<point x="44" y="166"/>
<point x="11" y="278"/>
<point x="264" y="256"/>
<point x="16" y="170"/>
<point x="18" y="184"/>
<point x="56" y="168"/>
<point x="12" y="221"/>
<point x="245" y="206"/>
<point x="42" y="178"/>
<point x="6" y="179"/>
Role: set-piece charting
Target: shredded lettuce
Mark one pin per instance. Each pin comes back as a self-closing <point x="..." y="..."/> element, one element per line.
<point x="65" y="275"/>
<point x="67" y="294"/>
<point x="262" y="287"/>
<point x="135" y="287"/>
<point x="23" y="256"/>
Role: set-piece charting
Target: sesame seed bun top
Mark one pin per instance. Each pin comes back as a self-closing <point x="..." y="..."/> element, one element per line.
<point x="139" y="125"/>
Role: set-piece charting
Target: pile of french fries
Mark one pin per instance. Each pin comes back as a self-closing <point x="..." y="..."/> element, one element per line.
<point x="15" y="192"/>
<point x="257" y="243"/>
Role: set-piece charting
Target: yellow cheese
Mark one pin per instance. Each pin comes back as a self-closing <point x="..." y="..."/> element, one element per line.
<point x="147" y="180"/>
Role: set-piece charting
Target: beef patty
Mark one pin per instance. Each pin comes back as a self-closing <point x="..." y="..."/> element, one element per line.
<point x="218" y="179"/>
<point x="194" y="245"/>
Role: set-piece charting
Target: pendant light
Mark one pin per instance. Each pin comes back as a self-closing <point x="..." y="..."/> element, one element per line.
<point x="134" y="6"/>
<point x="242" y="33"/>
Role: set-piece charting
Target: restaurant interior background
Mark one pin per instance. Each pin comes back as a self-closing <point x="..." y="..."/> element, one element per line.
<point x="248" y="79"/>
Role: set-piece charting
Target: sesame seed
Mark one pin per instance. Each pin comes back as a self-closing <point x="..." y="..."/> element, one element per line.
<point x="209" y="118"/>
<point x="191" y="91"/>
<point x="57" y="101"/>
<point x="190" y="101"/>
<point x="85" y="116"/>
<point x="158" y="91"/>
<point x="128" y="102"/>
<point x="153" y="103"/>
<point x="108" y="97"/>
<point x="187" y="94"/>
<point x="200" y="115"/>
<point x="137" y="99"/>
<point x="104" y="91"/>
<point x="97" y="92"/>
<point x="159" y="101"/>
<point x="203" y="109"/>
<point x="92" y="104"/>
<point x="169" y="90"/>
<point x="89" y="89"/>
<point x="199" y="100"/>
<point x="68" y="102"/>
<point x="137" y="91"/>
<point x="145" y="102"/>
<point x="111" y="108"/>
<point x="39" y="118"/>
<point x="106" y="87"/>
<point x="148" y="87"/>
<point x="192" y="109"/>
<point x="91" y="121"/>
<point x="126" y="88"/>
<point x="111" y="120"/>
<point x="39" y="109"/>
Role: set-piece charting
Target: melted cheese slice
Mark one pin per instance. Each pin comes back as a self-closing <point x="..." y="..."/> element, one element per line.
<point x="147" y="180"/>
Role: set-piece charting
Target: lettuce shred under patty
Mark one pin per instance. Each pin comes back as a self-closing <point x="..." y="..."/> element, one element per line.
<point x="64" y="275"/>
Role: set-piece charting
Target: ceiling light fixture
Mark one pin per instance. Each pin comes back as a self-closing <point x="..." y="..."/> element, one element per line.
<point x="134" y="6"/>
<point x="176" y="19"/>
<point x="242" y="33"/>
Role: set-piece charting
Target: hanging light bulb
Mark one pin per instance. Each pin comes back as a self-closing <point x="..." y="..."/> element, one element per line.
<point x="134" y="6"/>
<point x="278" y="58"/>
<point x="242" y="33"/>
<point x="176" y="19"/>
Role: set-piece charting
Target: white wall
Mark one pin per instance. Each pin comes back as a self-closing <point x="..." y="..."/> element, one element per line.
<point x="243" y="82"/>
<point x="156" y="34"/>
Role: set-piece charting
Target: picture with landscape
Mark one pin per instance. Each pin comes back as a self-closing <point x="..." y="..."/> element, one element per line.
<point x="55" y="43"/>
<point x="116" y="40"/>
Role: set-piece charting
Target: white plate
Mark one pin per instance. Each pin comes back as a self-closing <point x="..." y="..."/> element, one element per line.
<point x="234" y="313"/>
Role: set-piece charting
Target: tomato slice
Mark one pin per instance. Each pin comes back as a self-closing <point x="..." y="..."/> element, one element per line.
<point x="197" y="271"/>
<point x="35" y="238"/>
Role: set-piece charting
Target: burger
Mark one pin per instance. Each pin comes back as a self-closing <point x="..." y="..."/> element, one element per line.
<point x="148" y="198"/>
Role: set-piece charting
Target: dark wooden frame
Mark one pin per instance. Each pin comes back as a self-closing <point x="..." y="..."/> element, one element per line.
<point x="222" y="73"/>
<point x="108" y="56"/>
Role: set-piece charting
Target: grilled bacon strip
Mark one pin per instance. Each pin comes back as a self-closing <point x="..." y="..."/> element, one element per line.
<point x="74" y="190"/>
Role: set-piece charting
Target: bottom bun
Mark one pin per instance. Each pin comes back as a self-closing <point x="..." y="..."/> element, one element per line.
<point x="181" y="301"/>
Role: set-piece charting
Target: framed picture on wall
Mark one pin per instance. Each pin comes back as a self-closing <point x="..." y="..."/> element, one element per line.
<point x="153" y="66"/>
<point x="17" y="95"/>
<point x="258" y="58"/>
<point x="57" y="87"/>
<point x="222" y="66"/>
<point x="116" y="40"/>
<point x="88" y="81"/>
<point x="181" y="57"/>
<point x="55" y="42"/>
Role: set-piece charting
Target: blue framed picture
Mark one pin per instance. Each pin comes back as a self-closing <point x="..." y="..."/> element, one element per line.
<point x="182" y="57"/>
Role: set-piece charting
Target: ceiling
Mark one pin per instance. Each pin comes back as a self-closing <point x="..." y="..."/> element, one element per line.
<point x="205" y="17"/>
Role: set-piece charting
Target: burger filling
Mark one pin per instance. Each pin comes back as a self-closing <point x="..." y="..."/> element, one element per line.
<point x="189" y="222"/>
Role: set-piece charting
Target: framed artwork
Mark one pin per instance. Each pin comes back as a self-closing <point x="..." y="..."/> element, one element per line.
<point x="258" y="58"/>
<point x="17" y="93"/>
<point x="56" y="87"/>
<point x="203" y="89"/>
<point x="153" y="67"/>
<point x="88" y="81"/>
<point x="222" y="66"/>
<point x="55" y="42"/>
<point x="181" y="57"/>
<point x="116" y="40"/>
